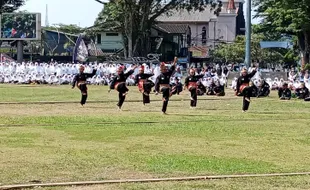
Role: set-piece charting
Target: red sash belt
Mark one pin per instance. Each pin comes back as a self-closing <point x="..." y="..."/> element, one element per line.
<point x="192" y="85"/>
<point x="140" y="85"/>
<point x="243" y="86"/>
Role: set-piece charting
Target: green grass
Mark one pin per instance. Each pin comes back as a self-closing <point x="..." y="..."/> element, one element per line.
<point x="64" y="142"/>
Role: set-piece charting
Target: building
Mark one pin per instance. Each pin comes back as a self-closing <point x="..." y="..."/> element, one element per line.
<point x="109" y="41"/>
<point x="181" y="31"/>
<point x="208" y="29"/>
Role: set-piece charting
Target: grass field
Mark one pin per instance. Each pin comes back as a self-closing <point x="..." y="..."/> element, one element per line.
<point x="46" y="135"/>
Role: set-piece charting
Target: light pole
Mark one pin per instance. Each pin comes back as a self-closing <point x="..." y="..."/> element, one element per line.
<point x="248" y="34"/>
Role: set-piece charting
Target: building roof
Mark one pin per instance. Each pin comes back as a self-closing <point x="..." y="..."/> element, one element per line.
<point x="187" y="16"/>
<point x="172" y="28"/>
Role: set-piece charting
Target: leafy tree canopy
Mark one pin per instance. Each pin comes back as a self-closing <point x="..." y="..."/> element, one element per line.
<point x="70" y="29"/>
<point x="10" y="5"/>
<point x="286" y="17"/>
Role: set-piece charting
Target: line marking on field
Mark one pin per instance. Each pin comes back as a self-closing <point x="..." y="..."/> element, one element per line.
<point x="83" y="183"/>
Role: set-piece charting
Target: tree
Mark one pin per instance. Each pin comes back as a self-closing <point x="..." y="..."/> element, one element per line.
<point x="287" y="17"/>
<point x="70" y="29"/>
<point x="234" y="52"/>
<point x="134" y="18"/>
<point x="8" y="6"/>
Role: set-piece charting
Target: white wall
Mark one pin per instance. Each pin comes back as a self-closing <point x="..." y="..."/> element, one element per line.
<point x="196" y="30"/>
<point x="110" y="42"/>
<point x="226" y="28"/>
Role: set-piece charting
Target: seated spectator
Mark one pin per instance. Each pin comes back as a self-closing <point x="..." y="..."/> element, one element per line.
<point x="201" y="89"/>
<point x="302" y="92"/>
<point x="284" y="92"/>
<point x="264" y="89"/>
<point x="177" y="87"/>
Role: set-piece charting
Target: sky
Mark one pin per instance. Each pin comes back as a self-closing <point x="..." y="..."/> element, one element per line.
<point x="80" y="12"/>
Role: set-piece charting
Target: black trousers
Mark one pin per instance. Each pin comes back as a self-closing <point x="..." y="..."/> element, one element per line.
<point x="247" y="93"/>
<point x="121" y="88"/>
<point x="193" y="97"/>
<point x="166" y="96"/>
<point x="147" y="87"/>
<point x="83" y="89"/>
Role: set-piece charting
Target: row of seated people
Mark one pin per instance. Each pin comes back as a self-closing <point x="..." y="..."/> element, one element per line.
<point x="302" y="92"/>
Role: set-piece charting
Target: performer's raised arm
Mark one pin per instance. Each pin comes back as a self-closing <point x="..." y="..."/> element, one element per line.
<point x="90" y="75"/>
<point x="130" y="72"/>
<point x="172" y="68"/>
<point x="250" y="75"/>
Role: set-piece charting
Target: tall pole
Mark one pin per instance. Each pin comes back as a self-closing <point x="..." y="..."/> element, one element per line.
<point x="20" y="51"/>
<point x="248" y="34"/>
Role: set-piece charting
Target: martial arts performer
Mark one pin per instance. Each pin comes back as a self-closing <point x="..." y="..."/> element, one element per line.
<point x="80" y="81"/>
<point x="244" y="88"/>
<point x="191" y="85"/>
<point x="144" y="84"/>
<point x="162" y="83"/>
<point x="119" y="83"/>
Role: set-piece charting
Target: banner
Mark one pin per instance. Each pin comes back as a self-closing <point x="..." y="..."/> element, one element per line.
<point x="80" y="52"/>
<point x="274" y="44"/>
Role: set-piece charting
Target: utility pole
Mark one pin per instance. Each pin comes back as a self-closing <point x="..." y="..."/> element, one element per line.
<point x="248" y="34"/>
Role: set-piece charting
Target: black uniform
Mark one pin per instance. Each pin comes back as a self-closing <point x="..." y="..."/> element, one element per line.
<point x="145" y="86"/>
<point x="119" y="83"/>
<point x="284" y="94"/>
<point x="219" y="90"/>
<point x="80" y="81"/>
<point x="247" y="91"/>
<point x="193" y="89"/>
<point x="264" y="90"/>
<point x="201" y="89"/>
<point x="302" y="93"/>
<point x="164" y="79"/>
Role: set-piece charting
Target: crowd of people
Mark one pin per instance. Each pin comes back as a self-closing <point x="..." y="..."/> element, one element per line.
<point x="63" y="73"/>
<point x="205" y="81"/>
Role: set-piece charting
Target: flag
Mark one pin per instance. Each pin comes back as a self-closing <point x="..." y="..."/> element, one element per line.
<point x="80" y="52"/>
<point x="93" y="50"/>
<point x="6" y="58"/>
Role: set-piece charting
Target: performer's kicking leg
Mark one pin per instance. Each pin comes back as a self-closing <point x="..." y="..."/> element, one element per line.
<point x="193" y="97"/>
<point x="166" y="95"/>
<point x="122" y="92"/>
<point x="246" y="98"/>
<point x="83" y="89"/>
<point x="146" y="94"/>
